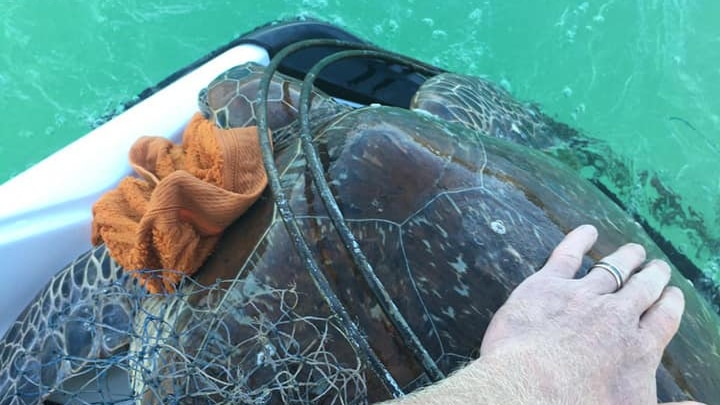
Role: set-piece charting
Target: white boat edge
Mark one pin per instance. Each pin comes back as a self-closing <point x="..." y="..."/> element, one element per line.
<point x="45" y="214"/>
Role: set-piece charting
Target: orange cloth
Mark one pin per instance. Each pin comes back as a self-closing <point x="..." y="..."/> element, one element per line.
<point x="173" y="217"/>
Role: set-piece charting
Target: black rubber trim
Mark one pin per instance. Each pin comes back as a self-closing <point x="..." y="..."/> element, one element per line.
<point x="278" y="35"/>
<point x="361" y="80"/>
<point x="364" y="81"/>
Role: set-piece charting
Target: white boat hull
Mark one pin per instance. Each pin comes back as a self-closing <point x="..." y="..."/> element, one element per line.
<point x="46" y="211"/>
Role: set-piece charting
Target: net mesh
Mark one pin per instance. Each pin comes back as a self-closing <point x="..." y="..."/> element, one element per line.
<point x="229" y="342"/>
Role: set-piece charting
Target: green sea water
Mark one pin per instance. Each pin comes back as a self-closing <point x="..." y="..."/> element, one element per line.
<point x="642" y="75"/>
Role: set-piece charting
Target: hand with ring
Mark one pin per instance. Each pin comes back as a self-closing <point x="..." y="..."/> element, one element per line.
<point x="598" y="339"/>
<point x="560" y="340"/>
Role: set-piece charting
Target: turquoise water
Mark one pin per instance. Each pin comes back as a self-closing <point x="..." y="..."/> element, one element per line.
<point x="643" y="75"/>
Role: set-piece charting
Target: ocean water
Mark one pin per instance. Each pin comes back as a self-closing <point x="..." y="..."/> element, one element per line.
<point x="642" y="75"/>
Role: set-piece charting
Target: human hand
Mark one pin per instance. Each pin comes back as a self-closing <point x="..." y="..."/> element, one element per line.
<point x="582" y="337"/>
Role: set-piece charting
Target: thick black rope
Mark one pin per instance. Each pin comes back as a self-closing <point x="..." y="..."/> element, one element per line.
<point x="288" y="217"/>
<point x="351" y="245"/>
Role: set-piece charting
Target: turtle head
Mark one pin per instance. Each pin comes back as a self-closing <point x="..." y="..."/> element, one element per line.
<point x="227" y="100"/>
<point x="212" y="111"/>
<point x="205" y="109"/>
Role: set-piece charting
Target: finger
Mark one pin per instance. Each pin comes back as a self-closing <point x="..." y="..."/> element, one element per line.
<point x="645" y="287"/>
<point x="662" y="319"/>
<point x="625" y="259"/>
<point x="565" y="260"/>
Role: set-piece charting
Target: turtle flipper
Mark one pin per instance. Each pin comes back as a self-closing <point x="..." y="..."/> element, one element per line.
<point x="482" y="106"/>
<point x="84" y="314"/>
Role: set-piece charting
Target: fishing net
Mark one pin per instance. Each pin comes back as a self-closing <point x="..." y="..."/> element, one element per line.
<point x="228" y="342"/>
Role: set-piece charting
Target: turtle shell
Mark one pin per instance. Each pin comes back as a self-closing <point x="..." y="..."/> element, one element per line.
<point x="451" y="220"/>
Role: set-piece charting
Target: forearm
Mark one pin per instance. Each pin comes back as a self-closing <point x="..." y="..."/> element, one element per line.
<point x="498" y="381"/>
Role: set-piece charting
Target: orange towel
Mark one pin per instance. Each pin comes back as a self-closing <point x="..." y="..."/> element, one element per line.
<point x="173" y="217"/>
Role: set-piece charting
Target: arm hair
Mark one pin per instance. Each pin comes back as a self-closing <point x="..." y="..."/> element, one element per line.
<point x="506" y="380"/>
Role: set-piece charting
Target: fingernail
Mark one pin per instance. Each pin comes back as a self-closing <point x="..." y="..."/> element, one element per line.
<point x="586" y="228"/>
<point x="661" y="264"/>
<point x="674" y="290"/>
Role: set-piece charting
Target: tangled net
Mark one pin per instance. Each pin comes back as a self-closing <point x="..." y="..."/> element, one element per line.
<point x="245" y="345"/>
<point x="108" y="341"/>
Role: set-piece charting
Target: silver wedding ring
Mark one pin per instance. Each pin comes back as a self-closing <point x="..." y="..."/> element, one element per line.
<point x="616" y="274"/>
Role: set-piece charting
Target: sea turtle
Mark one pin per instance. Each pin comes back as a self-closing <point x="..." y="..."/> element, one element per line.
<point x="451" y="219"/>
